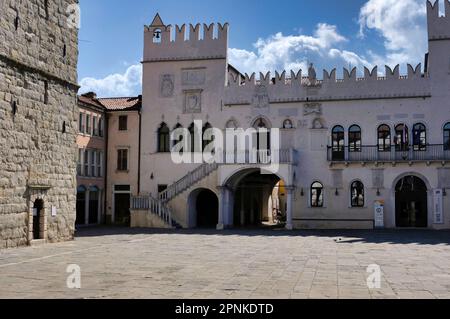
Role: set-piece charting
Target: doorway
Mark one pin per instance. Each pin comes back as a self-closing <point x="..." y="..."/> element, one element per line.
<point x="122" y="209"/>
<point x="411" y="203"/>
<point x="38" y="211"/>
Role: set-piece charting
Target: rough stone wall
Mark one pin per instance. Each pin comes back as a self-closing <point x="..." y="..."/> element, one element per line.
<point x="38" y="120"/>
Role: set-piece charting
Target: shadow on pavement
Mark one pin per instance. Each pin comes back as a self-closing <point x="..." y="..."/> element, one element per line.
<point x="397" y="236"/>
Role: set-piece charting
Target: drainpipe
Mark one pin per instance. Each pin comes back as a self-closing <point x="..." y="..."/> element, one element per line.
<point x="139" y="146"/>
<point x="105" y="161"/>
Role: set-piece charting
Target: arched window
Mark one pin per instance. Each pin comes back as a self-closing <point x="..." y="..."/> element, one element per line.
<point x="384" y="138"/>
<point x="401" y="139"/>
<point x="354" y="138"/>
<point x="357" y="194"/>
<point x="317" y="194"/>
<point x="207" y="136"/>
<point x="338" y="142"/>
<point x="263" y="135"/>
<point x="447" y="137"/>
<point x="179" y="137"/>
<point x="157" y="36"/>
<point x="231" y="124"/>
<point x="194" y="137"/>
<point x="419" y="137"/>
<point x="163" y="138"/>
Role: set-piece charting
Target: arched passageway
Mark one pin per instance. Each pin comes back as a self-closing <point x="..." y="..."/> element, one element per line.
<point x="411" y="202"/>
<point x="203" y="209"/>
<point x="259" y="199"/>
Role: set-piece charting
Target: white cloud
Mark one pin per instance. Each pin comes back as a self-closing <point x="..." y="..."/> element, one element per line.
<point x="402" y="24"/>
<point x="126" y="84"/>
<point x="292" y="52"/>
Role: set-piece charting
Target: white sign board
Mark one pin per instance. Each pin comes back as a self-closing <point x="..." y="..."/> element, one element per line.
<point x="379" y="214"/>
<point x="438" y="209"/>
<point x="53" y="211"/>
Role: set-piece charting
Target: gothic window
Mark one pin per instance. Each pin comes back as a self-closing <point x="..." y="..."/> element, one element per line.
<point x="357" y="194"/>
<point x="157" y="36"/>
<point x="338" y="142"/>
<point x="317" y="194"/>
<point x="163" y="138"/>
<point x="384" y="138"/>
<point x="447" y="137"/>
<point x="179" y="137"/>
<point x="419" y="137"/>
<point x="401" y="139"/>
<point x="354" y="138"/>
<point x="262" y="135"/>
<point x="231" y="124"/>
<point x="207" y="136"/>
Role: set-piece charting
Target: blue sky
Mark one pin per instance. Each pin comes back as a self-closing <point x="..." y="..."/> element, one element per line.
<point x="264" y="35"/>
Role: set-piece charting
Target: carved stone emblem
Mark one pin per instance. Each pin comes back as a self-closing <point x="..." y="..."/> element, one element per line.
<point x="261" y="97"/>
<point x="193" y="77"/>
<point x="318" y="124"/>
<point x="312" y="108"/>
<point x="193" y="101"/>
<point x="167" y="85"/>
<point x="378" y="178"/>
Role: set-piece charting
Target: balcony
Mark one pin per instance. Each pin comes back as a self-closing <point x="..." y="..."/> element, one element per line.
<point x="262" y="157"/>
<point x="394" y="154"/>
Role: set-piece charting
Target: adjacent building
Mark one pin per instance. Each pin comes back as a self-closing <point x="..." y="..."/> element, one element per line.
<point x="91" y="141"/>
<point x="108" y="158"/>
<point x="38" y="121"/>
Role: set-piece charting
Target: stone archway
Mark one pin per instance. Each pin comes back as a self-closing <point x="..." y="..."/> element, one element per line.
<point x="203" y="209"/>
<point x="411" y="202"/>
<point x="252" y="194"/>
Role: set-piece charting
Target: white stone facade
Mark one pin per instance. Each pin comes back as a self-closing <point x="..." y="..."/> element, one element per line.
<point x="408" y="171"/>
<point x="38" y="122"/>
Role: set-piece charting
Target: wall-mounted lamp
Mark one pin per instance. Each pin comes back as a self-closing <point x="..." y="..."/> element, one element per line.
<point x="337" y="192"/>
<point x="152" y="176"/>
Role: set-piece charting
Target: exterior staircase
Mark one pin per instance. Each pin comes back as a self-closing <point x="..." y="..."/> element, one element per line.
<point x="159" y="206"/>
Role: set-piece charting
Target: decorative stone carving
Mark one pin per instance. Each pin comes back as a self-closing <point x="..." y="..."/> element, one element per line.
<point x="287" y="124"/>
<point x="318" y="124"/>
<point x="167" y="85"/>
<point x="312" y="108"/>
<point x="193" y="77"/>
<point x="378" y="178"/>
<point x="261" y="97"/>
<point x="192" y="101"/>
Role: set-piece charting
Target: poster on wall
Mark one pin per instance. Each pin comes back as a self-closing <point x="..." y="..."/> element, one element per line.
<point x="438" y="207"/>
<point x="379" y="214"/>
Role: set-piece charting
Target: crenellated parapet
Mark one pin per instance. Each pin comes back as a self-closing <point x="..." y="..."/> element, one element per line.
<point x="184" y="42"/>
<point x="282" y="88"/>
<point x="438" y="25"/>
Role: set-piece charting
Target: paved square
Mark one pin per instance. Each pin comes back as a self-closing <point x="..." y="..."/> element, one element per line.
<point x="124" y="263"/>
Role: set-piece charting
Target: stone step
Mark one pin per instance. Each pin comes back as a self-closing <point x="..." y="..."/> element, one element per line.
<point x="37" y="242"/>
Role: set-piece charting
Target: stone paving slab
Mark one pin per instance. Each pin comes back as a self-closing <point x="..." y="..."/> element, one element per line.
<point x="125" y="263"/>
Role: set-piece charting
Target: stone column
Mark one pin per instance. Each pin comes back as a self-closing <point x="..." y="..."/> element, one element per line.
<point x="290" y="203"/>
<point x="222" y="201"/>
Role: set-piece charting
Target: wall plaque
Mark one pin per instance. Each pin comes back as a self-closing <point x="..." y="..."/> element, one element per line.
<point x="193" y="77"/>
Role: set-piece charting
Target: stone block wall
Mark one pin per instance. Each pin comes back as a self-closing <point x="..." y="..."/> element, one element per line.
<point x="38" y="121"/>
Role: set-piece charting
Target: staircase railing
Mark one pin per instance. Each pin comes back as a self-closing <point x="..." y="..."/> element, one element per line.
<point x="187" y="181"/>
<point x="154" y="206"/>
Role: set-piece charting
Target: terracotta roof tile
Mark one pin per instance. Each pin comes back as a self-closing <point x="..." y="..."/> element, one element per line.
<point x="90" y="101"/>
<point x="121" y="103"/>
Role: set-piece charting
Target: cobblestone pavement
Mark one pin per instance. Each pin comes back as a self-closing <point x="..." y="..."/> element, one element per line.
<point x="124" y="263"/>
